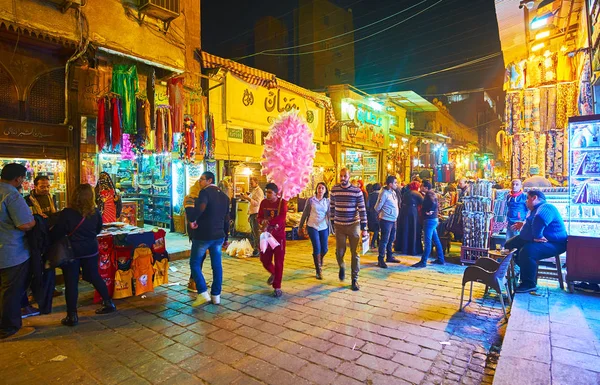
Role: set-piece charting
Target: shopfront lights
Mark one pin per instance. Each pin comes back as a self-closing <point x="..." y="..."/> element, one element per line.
<point x="376" y="106"/>
<point x="416" y="149"/>
<point x="537" y="47"/>
<point x="247" y="171"/>
<point x="540" y="21"/>
<point x="542" y="35"/>
<point x="349" y="109"/>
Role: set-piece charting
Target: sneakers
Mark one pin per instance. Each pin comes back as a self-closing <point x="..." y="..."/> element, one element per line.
<point x="270" y="280"/>
<point x="202" y="298"/>
<point x="524" y="288"/>
<point x="382" y="264"/>
<point x="192" y="286"/>
<point x="215" y="299"/>
<point x="419" y="264"/>
<point x="392" y="260"/>
<point x="342" y="274"/>
<point x="438" y="262"/>
<point x="29" y="311"/>
<point x="277" y="293"/>
<point x="355" y="286"/>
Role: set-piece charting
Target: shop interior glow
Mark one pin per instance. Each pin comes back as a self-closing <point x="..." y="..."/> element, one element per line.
<point x="542" y="35"/>
<point x="537" y="47"/>
<point x="540" y="21"/>
<point x="376" y="106"/>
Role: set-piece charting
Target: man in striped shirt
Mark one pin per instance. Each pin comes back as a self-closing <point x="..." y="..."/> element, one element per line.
<point x="349" y="217"/>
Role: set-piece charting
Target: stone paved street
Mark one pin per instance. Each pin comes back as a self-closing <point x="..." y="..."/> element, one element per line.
<point x="402" y="327"/>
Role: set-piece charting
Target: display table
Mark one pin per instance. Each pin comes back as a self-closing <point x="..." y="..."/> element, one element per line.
<point x="131" y="260"/>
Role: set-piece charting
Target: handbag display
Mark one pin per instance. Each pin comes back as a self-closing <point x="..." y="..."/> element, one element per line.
<point x="61" y="252"/>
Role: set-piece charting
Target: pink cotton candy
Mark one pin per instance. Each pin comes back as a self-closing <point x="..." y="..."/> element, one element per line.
<point x="288" y="154"/>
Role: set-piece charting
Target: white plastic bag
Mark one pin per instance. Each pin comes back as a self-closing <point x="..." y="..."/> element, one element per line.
<point x="266" y="240"/>
<point x="365" y="245"/>
<point x="240" y="249"/>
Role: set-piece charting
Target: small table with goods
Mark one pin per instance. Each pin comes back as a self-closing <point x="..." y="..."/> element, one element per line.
<point x="132" y="260"/>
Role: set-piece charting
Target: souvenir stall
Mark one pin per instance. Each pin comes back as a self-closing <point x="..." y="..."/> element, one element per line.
<point x="54" y="169"/>
<point x="145" y="143"/>
<point x="477" y="216"/>
<point x="132" y="261"/>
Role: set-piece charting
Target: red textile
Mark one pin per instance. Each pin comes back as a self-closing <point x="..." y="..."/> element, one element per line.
<point x="278" y="255"/>
<point x="116" y="122"/>
<point x="100" y="136"/>
<point x="106" y="265"/>
<point x="176" y="101"/>
<point x="160" y="131"/>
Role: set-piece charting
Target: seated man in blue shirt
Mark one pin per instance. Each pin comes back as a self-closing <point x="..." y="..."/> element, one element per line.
<point x="543" y="235"/>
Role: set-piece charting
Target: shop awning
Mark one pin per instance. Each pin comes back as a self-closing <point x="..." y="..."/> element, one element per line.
<point x="242" y="152"/>
<point x="248" y="74"/>
<point x="323" y="159"/>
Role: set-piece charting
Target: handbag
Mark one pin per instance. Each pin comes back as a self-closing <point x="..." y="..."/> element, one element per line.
<point x="61" y="252"/>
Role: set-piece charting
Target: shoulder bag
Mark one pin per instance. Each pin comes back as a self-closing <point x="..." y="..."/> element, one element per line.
<point x="61" y="252"/>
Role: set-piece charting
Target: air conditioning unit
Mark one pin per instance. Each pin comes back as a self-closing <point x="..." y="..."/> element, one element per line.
<point x="64" y="5"/>
<point x="165" y="10"/>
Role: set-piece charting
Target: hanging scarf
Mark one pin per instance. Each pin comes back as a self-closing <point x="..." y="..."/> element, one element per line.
<point x="115" y="133"/>
<point x="515" y="194"/>
<point x="160" y="130"/>
<point x="176" y="101"/>
<point x="125" y="83"/>
<point x="100" y="134"/>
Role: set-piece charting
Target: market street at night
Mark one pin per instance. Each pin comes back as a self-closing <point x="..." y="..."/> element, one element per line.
<point x="402" y="327"/>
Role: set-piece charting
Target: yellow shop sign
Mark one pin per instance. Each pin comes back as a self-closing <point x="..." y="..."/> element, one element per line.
<point x="257" y="107"/>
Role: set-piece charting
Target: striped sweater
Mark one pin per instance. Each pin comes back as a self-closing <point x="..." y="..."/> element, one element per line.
<point x="348" y="206"/>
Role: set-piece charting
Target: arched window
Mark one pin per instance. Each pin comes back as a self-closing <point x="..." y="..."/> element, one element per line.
<point x="46" y="100"/>
<point x="9" y="97"/>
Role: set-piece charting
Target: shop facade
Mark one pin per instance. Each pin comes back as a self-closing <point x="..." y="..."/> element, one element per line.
<point x="361" y="138"/>
<point x="243" y="103"/>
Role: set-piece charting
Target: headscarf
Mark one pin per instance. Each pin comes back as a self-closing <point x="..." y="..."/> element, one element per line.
<point x="414" y="185"/>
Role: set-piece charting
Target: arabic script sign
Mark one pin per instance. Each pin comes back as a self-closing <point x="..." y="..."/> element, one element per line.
<point x="37" y="133"/>
<point x="365" y="116"/>
<point x="258" y="107"/>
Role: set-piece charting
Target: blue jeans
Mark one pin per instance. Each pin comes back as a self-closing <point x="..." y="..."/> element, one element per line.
<point x="430" y="234"/>
<point x="318" y="240"/>
<point x="529" y="253"/>
<point x="510" y="232"/>
<point x="388" y="235"/>
<point x="197" y="256"/>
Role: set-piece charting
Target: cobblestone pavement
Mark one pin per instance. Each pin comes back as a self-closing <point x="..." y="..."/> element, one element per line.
<point x="401" y="327"/>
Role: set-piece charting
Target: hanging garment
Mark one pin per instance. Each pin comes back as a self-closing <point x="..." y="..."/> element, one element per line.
<point x="142" y="270"/>
<point x="564" y="68"/>
<point x="176" y="101"/>
<point x="513" y="112"/>
<point x="123" y="284"/>
<point x="150" y="131"/>
<point x="566" y="103"/>
<point x="159" y="245"/>
<point x="551" y="117"/>
<point x="107" y="269"/>
<point x="161" y="272"/>
<point x="145" y="239"/>
<point x="125" y="83"/>
<point x="100" y="135"/>
<point x="533" y="71"/>
<point x="115" y="133"/>
<point x="169" y="133"/>
<point x="109" y="214"/>
<point x="548" y="69"/>
<point x="160" y="130"/>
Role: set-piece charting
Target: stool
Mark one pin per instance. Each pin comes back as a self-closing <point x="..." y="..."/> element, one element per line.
<point x="552" y="270"/>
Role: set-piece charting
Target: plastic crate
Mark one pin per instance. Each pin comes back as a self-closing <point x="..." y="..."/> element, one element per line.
<point x="471" y="254"/>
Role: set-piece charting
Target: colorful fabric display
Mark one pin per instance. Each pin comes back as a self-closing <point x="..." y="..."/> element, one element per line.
<point x="566" y="103"/>
<point x="514" y="78"/>
<point x="533" y="71"/>
<point x="100" y="133"/>
<point x="142" y="270"/>
<point x="161" y="272"/>
<point x="125" y="83"/>
<point x="548" y="69"/>
<point x="513" y="111"/>
<point x="176" y="101"/>
<point x="145" y="238"/>
<point x="159" y="244"/>
<point x="107" y="269"/>
<point x="115" y="132"/>
<point x="123" y="284"/>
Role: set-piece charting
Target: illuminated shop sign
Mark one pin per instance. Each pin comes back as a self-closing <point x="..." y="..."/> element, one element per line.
<point x="364" y="116"/>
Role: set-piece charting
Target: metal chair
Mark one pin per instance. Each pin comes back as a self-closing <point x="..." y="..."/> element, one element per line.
<point x="551" y="268"/>
<point x="492" y="274"/>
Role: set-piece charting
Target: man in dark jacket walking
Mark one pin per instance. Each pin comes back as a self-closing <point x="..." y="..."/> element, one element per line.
<point x="372" y="219"/>
<point x="210" y="211"/>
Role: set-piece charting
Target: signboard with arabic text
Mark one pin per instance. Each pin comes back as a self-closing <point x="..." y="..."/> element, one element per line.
<point x="12" y="131"/>
<point x="257" y="107"/>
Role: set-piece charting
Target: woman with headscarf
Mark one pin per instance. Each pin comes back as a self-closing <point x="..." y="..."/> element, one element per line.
<point x="108" y="201"/>
<point x="408" y="238"/>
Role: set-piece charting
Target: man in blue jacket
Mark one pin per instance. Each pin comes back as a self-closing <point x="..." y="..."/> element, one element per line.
<point x="517" y="208"/>
<point x="543" y="235"/>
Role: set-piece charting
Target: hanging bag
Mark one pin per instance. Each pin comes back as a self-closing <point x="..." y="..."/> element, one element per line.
<point x="61" y="252"/>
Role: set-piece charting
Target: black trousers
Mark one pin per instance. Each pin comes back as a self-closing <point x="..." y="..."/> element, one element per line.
<point x="12" y="288"/>
<point x="89" y="270"/>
